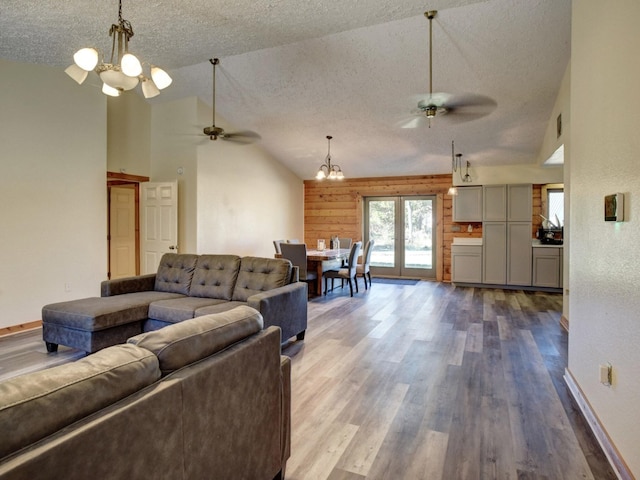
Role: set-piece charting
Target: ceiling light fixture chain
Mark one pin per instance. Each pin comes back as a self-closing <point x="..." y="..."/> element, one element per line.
<point x="124" y="71"/>
<point x="327" y="169"/>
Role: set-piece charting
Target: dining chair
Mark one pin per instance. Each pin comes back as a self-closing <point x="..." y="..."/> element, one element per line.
<point x="296" y="253"/>
<point x="276" y="243"/>
<point x="364" y="267"/>
<point x="345" y="273"/>
<point x="345" y="242"/>
<point x="293" y="240"/>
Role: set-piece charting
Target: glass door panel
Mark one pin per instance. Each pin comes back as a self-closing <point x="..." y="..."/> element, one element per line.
<point x="402" y="228"/>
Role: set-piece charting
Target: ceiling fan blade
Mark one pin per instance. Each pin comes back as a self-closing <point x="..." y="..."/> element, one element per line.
<point x="241" y="138"/>
<point x="438" y="99"/>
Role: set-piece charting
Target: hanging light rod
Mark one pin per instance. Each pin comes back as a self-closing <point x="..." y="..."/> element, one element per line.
<point x="123" y="71"/>
<point x="456" y="164"/>
<point x="327" y="169"/>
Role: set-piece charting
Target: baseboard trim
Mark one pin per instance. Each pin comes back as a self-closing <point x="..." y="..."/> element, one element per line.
<point x="23" y="327"/>
<point x="617" y="462"/>
<point x="564" y="322"/>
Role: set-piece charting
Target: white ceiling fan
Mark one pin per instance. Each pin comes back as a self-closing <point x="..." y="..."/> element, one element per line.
<point x="215" y="133"/>
<point x="459" y="108"/>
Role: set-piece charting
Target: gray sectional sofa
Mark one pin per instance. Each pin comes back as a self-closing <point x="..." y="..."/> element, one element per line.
<point x="185" y="286"/>
<point x="207" y="398"/>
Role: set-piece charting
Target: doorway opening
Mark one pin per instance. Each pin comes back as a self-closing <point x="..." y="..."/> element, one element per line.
<point x="403" y="228"/>
<point x="123" y="224"/>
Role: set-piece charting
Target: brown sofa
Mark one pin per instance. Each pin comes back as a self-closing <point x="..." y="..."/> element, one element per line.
<point x="208" y="398"/>
<point x="185" y="286"/>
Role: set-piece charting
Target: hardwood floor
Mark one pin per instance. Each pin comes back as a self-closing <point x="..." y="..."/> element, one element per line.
<point x="424" y="381"/>
<point x="436" y="382"/>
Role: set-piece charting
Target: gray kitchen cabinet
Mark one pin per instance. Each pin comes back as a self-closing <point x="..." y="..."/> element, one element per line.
<point x="494" y="207"/>
<point x="506" y="230"/>
<point x="519" y="253"/>
<point x="467" y="204"/>
<point x="547" y="267"/>
<point x="466" y="263"/>
<point x="519" y="203"/>
<point x="511" y="203"/>
<point x="494" y="253"/>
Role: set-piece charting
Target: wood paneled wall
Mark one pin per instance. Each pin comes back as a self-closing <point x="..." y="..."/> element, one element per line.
<point x="336" y="208"/>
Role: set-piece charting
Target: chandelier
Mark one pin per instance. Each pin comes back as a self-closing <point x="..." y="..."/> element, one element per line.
<point x="123" y="71"/>
<point x="456" y="164"/>
<point x="328" y="170"/>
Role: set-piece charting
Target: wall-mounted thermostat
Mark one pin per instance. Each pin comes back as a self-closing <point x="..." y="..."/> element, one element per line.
<point x="614" y="207"/>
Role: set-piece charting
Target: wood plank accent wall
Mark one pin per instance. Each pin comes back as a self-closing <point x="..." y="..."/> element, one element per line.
<point x="337" y="208"/>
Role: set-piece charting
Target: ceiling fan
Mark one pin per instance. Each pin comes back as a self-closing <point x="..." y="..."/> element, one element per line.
<point x="462" y="108"/>
<point x="215" y="133"/>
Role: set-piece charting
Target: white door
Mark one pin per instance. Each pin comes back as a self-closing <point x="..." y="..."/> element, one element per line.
<point x="158" y="223"/>
<point x="122" y="231"/>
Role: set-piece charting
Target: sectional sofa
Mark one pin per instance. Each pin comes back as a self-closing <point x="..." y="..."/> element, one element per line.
<point x="185" y="286"/>
<point x="207" y="398"/>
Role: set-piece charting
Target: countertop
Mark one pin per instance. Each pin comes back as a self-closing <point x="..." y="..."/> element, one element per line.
<point x="536" y="243"/>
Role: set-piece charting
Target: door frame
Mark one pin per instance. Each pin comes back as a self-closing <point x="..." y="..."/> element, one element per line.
<point x="119" y="179"/>
<point x="435" y="273"/>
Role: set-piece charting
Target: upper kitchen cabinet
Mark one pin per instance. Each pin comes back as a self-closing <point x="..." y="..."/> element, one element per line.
<point x="519" y="202"/>
<point x="467" y="204"/>
<point x="511" y="203"/>
<point x="494" y="208"/>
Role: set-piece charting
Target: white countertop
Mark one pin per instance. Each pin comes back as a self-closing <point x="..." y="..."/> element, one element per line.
<point x="467" y="241"/>
<point x="536" y="243"/>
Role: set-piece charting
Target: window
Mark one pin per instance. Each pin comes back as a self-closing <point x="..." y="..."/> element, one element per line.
<point x="553" y="202"/>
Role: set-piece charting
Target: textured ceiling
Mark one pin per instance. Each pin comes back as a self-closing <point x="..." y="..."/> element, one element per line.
<point x="296" y="71"/>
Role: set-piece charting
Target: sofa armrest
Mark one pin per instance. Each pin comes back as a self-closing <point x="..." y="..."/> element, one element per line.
<point x="285" y="368"/>
<point x="141" y="283"/>
<point x="284" y="307"/>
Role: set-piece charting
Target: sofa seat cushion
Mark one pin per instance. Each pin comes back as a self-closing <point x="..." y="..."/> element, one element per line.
<point x="218" y="308"/>
<point x="215" y="276"/>
<point x="260" y="274"/>
<point x="35" y="405"/>
<point x="99" y="313"/>
<point x="179" y="309"/>
<point x="175" y="272"/>
<point x="186" y="342"/>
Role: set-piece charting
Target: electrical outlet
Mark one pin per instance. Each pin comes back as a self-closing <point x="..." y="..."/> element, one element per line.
<point x="606" y="374"/>
<point x="67" y="287"/>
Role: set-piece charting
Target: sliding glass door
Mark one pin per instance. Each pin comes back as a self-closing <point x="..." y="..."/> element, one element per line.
<point x="404" y="235"/>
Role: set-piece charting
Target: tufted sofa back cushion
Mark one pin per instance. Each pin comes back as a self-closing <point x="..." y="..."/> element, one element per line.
<point x="260" y="274"/>
<point x="215" y="276"/>
<point x="175" y="273"/>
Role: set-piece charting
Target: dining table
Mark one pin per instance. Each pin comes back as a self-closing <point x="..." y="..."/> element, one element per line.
<point x="322" y="260"/>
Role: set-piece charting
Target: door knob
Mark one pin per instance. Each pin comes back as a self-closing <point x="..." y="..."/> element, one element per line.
<point x="173" y="247"/>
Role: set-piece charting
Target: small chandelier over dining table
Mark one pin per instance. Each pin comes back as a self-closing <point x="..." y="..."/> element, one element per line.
<point x="327" y="169"/>
<point x="123" y="71"/>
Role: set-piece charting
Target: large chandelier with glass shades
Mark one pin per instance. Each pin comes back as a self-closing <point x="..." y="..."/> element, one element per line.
<point x="123" y="71"/>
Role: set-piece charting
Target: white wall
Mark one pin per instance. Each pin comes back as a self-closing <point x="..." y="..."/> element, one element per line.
<point x="232" y="198"/>
<point x="605" y="256"/>
<point x="52" y="190"/>
<point x="129" y="135"/>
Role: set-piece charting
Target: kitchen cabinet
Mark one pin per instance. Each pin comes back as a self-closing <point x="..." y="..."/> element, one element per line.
<point x="511" y="203"/>
<point x="506" y="230"/>
<point x="467" y="204"/>
<point x="547" y="267"/>
<point x="466" y="263"/>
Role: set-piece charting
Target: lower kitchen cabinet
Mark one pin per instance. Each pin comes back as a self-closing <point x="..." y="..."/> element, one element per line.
<point x="547" y="267"/>
<point x="466" y="263"/>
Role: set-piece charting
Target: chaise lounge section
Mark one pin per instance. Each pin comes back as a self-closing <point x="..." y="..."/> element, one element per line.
<point x="186" y="286"/>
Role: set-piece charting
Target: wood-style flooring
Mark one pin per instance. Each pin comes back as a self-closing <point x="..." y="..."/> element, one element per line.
<point x="436" y="382"/>
<point x="424" y="381"/>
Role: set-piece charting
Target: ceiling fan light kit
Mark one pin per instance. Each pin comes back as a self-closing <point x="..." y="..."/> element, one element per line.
<point x="327" y="169"/>
<point x="123" y="71"/>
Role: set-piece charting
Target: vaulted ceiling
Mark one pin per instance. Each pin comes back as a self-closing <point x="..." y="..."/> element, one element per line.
<point x="296" y="71"/>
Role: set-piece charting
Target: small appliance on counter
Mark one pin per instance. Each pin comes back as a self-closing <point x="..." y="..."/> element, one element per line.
<point x="550" y="236"/>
